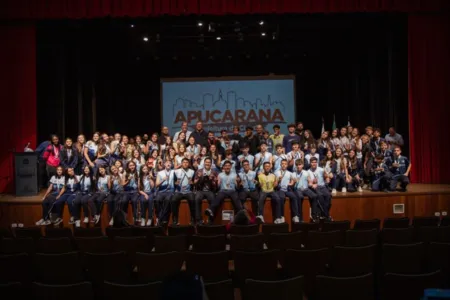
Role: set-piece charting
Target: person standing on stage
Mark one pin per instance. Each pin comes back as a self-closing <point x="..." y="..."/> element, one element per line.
<point x="286" y="182"/>
<point x="394" y="139"/>
<point x="276" y="137"/>
<point x="400" y="169"/>
<point x="68" y="155"/>
<point x="165" y="181"/>
<point x="367" y="159"/>
<point x="55" y="186"/>
<point x="200" y="135"/>
<point x="290" y="138"/>
<point x="183" y="190"/>
<point x="262" y="157"/>
<point x="302" y="188"/>
<point x="247" y="185"/>
<point x="51" y="156"/>
<point x="251" y="140"/>
<point x="206" y="185"/>
<point x="184" y="128"/>
<point x="268" y="182"/>
<point x="317" y="184"/>
<point x="227" y="182"/>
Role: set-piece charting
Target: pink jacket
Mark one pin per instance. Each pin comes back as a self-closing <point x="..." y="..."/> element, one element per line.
<point x="51" y="155"/>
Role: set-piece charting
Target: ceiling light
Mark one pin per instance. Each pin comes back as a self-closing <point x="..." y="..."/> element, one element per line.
<point x="145" y="39"/>
<point x="261" y="22"/>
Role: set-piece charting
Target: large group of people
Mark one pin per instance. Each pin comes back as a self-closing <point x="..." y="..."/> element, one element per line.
<point x="154" y="173"/>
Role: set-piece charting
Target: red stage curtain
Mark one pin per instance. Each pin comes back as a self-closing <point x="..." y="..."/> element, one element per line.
<point x="429" y="97"/>
<point x="18" y="96"/>
<point x="74" y="9"/>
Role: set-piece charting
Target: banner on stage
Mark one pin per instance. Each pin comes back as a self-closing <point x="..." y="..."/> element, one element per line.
<point x="224" y="103"/>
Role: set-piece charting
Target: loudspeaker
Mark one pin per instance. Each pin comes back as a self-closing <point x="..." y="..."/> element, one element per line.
<point x="26" y="173"/>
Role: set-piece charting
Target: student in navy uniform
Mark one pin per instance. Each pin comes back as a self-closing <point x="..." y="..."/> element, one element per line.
<point x="381" y="176"/>
<point x="367" y="157"/>
<point x="101" y="192"/>
<point x="247" y="185"/>
<point x="56" y="184"/>
<point x="227" y="182"/>
<point x="146" y="185"/>
<point x="376" y="140"/>
<point x="130" y="190"/>
<point x="66" y="195"/>
<point x="387" y="154"/>
<point x="183" y="190"/>
<point x="318" y="185"/>
<point x="84" y="194"/>
<point x="164" y="192"/>
<point x="400" y="169"/>
<point x="355" y="172"/>
<point x="289" y="138"/>
<point x="286" y="182"/>
<point x="116" y="190"/>
<point x="68" y="155"/>
<point x="302" y="190"/>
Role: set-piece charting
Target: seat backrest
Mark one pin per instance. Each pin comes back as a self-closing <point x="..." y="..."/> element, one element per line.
<point x="359" y="287"/>
<point x="403" y="258"/>
<point x="176" y="243"/>
<point x="425" y="221"/>
<point x="268" y="229"/>
<point x="157" y="266"/>
<point x="64" y="291"/>
<point x="396" y="223"/>
<point x="48" y="268"/>
<point x="209" y="243"/>
<point x="397" y="236"/>
<point x="112" y="232"/>
<point x="211" y="266"/>
<point x="17" y="245"/>
<point x="87" y="232"/>
<point x="361" y="237"/>
<point x="305" y="262"/>
<point x="353" y="261"/>
<point x="222" y="290"/>
<point x="329" y="239"/>
<point x="32" y="232"/>
<point x="187" y="230"/>
<point x="211" y="229"/>
<point x="284" y="241"/>
<point x="336" y="225"/>
<point x="287" y="289"/>
<point x="367" y="224"/>
<point x="16" y="268"/>
<point x="114" y="291"/>
<point x="58" y="232"/>
<point x="113" y="266"/>
<point x="244" y="229"/>
<point x="404" y="286"/>
<point x="256" y="265"/>
<point x="99" y="244"/>
<point x="54" y="245"/>
<point x="305" y="227"/>
<point x="247" y="242"/>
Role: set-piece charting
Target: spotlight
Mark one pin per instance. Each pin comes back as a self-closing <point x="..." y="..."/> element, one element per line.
<point x="263" y="34"/>
<point x="261" y="22"/>
<point x="218" y="38"/>
<point x="145" y="39"/>
<point x="132" y="25"/>
<point x="199" y="24"/>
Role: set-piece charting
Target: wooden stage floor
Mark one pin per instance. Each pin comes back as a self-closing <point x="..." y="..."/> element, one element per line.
<point x="419" y="200"/>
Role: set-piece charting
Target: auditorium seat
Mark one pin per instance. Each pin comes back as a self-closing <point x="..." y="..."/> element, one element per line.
<point x="222" y="290"/>
<point x="112" y="267"/>
<point x="186" y="230"/>
<point x="353" y="261"/>
<point x="115" y="291"/>
<point x="438" y="258"/>
<point x="396" y="223"/>
<point x="358" y="238"/>
<point x="87" y="232"/>
<point x="209" y="243"/>
<point x="148" y="231"/>
<point x="164" y="244"/>
<point x="367" y="224"/>
<point x="248" y="243"/>
<point x="153" y="267"/>
<point x="58" y="232"/>
<point x="211" y="229"/>
<point x="255" y="265"/>
<point x="285" y="241"/>
<point x="131" y="245"/>
<point x="16" y="289"/>
<point x="268" y="229"/>
<point x="67" y="291"/>
<point x="244" y="229"/>
<point x="427" y="234"/>
<point x="409" y="286"/>
<point x="5" y="233"/>
<point x="54" y="245"/>
<point x="319" y="239"/>
<point x="16" y="268"/>
<point x="305" y="227"/>
<point x="444" y="234"/>
<point x="17" y="245"/>
<point x="425" y="221"/>
<point x="336" y="225"/>
<point x="397" y="236"/>
<point x="61" y="268"/>
<point x="403" y="259"/>
<point x="211" y="266"/>
<point x="445" y="221"/>
<point x="112" y="232"/>
<point x="32" y="232"/>
<point x="288" y="289"/>
<point x="349" y="288"/>
<point x="99" y="244"/>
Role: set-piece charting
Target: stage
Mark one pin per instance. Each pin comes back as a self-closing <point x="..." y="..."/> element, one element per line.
<point x="419" y="200"/>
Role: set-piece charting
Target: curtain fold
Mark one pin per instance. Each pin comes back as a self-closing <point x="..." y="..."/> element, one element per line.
<point x="75" y="9"/>
<point x="429" y="97"/>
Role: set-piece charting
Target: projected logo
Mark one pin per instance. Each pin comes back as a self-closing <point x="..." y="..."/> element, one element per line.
<point x="226" y="111"/>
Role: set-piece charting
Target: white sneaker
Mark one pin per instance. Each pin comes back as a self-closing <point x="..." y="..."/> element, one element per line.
<point x="47" y="222"/>
<point x="78" y="223"/>
<point x="344" y="190"/>
<point x="40" y="222"/>
<point x="156" y="222"/>
<point x="111" y="222"/>
<point x="296" y="219"/>
<point x="360" y="189"/>
<point x="96" y="219"/>
<point x="142" y="222"/>
<point x="260" y="218"/>
<point x="277" y="221"/>
<point x="86" y="220"/>
<point x="57" y="221"/>
<point x="282" y="220"/>
<point x="334" y="191"/>
<point x="71" y="220"/>
<point x="149" y="222"/>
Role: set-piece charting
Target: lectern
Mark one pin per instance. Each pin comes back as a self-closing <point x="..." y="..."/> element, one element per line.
<point x="26" y="173"/>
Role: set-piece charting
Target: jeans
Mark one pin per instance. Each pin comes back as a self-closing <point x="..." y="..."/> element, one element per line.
<point x="199" y="196"/>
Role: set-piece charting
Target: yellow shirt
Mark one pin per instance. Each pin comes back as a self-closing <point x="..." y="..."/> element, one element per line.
<point x="266" y="182"/>
<point x="276" y="139"/>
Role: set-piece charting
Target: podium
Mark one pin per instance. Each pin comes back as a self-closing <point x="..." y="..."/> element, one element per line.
<point x="26" y="173"/>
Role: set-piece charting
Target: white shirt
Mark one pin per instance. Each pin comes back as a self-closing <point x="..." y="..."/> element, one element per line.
<point x="175" y="137"/>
